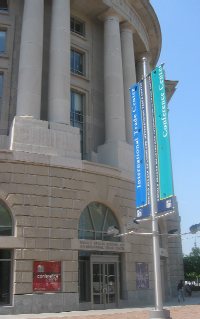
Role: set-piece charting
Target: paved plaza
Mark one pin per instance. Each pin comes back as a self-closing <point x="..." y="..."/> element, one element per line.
<point x="189" y="309"/>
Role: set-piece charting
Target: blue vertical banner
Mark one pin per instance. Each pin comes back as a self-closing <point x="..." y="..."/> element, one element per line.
<point x="140" y="149"/>
<point x="140" y="182"/>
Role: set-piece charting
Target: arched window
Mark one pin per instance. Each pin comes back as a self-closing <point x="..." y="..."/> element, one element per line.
<point x="5" y="221"/>
<point x="94" y="222"/>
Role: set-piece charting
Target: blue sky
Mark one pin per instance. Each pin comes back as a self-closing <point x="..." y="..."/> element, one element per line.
<point x="180" y="26"/>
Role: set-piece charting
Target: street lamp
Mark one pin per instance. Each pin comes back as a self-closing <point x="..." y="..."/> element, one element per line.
<point x="159" y="312"/>
<point x="153" y="172"/>
<point x="195" y="228"/>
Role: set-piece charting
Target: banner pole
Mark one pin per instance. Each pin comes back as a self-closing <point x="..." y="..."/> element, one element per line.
<point x="160" y="312"/>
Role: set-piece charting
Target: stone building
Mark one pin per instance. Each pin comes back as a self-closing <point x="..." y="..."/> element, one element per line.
<point x="66" y="157"/>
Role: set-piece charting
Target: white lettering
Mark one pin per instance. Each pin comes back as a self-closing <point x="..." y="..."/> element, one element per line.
<point x="163" y="103"/>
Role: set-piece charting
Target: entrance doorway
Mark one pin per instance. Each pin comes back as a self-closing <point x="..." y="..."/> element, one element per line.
<point x="104" y="281"/>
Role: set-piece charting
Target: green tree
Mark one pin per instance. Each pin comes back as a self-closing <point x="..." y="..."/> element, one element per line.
<point x="192" y="264"/>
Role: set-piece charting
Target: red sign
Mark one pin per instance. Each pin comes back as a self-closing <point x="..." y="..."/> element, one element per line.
<point x="46" y="276"/>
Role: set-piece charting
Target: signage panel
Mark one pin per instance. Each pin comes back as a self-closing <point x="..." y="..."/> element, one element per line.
<point x="138" y="144"/>
<point x="162" y="134"/>
<point x="46" y="276"/>
<point x="142" y="275"/>
<point x="144" y="127"/>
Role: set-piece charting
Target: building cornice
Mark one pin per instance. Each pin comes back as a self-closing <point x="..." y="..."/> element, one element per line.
<point x="142" y="17"/>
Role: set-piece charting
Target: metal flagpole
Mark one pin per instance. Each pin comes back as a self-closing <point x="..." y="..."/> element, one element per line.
<point x="159" y="312"/>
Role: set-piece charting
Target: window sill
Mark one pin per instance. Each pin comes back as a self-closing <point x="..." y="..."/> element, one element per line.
<point x="11" y="242"/>
<point x="84" y="77"/>
<point x="4" y="12"/>
<point x="4" y="55"/>
<point x="82" y="37"/>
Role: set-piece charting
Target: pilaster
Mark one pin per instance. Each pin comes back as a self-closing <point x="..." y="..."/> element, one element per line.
<point x="112" y="152"/>
<point x="59" y="65"/>
<point x="129" y="74"/>
<point x="30" y="63"/>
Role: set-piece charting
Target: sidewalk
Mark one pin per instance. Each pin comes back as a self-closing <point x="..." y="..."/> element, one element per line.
<point x="189" y="309"/>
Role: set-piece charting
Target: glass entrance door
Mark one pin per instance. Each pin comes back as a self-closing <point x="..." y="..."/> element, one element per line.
<point x="104" y="284"/>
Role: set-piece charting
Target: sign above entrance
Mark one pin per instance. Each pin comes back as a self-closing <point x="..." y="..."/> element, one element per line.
<point x="100" y="245"/>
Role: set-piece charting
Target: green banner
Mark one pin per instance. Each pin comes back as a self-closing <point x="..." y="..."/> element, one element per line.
<point x="162" y="133"/>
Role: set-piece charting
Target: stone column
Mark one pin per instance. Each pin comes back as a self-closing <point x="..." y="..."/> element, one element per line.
<point x="116" y="151"/>
<point x="113" y="81"/>
<point x="59" y="72"/>
<point x="30" y="63"/>
<point x="129" y="74"/>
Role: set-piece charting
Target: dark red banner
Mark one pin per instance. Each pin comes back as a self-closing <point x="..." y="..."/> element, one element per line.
<point x="46" y="276"/>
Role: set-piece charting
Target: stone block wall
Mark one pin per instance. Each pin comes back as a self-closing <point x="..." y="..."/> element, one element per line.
<point x="46" y="202"/>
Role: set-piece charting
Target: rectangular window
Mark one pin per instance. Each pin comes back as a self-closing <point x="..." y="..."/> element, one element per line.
<point x="3" y="5"/>
<point x="77" y="26"/>
<point x="3" y="119"/>
<point x="76" y="114"/>
<point x="1" y="85"/>
<point x="77" y="62"/>
<point x="2" y="41"/>
<point x="1" y="95"/>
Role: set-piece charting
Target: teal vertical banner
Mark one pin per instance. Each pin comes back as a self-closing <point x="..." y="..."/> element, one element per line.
<point x="162" y="133"/>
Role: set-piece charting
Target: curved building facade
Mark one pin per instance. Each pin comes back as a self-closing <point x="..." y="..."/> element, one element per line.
<point x="66" y="157"/>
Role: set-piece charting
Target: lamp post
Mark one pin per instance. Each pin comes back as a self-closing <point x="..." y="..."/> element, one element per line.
<point x="159" y="312"/>
<point x="195" y="228"/>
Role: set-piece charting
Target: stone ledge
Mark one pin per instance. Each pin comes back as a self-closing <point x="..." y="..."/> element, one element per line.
<point x="11" y="242"/>
<point x="118" y="154"/>
<point x="43" y="138"/>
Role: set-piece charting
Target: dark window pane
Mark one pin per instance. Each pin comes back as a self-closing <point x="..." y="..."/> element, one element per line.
<point x="5" y="273"/>
<point x="86" y="229"/>
<point x="77" y="26"/>
<point x="77" y="62"/>
<point x="5" y="218"/>
<point x="86" y="234"/>
<point x="5" y="267"/>
<point x="72" y="24"/>
<point x="1" y="85"/>
<point x="85" y="221"/>
<point x="76" y="114"/>
<point x="2" y="41"/>
<point x="5" y="222"/>
<point x="3" y="5"/>
<point x="110" y="221"/>
<point x="72" y="60"/>
<point x="98" y="213"/>
<point x="5" y="231"/>
<point x="5" y="254"/>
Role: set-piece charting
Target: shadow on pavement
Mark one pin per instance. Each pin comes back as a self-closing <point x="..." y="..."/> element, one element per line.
<point x="193" y="300"/>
